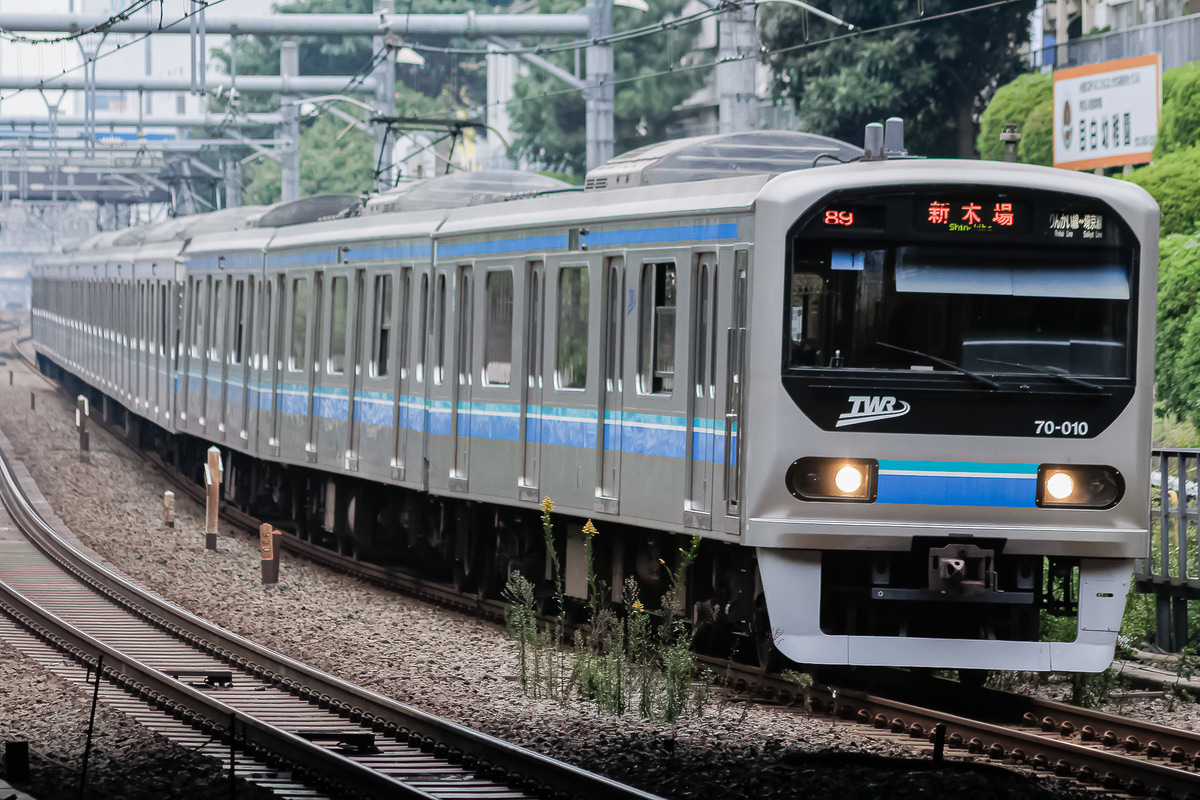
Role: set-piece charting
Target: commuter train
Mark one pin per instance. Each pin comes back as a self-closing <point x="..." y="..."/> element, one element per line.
<point x="904" y="404"/>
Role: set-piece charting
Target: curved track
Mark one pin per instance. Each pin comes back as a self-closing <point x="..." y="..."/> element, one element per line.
<point x="298" y="725"/>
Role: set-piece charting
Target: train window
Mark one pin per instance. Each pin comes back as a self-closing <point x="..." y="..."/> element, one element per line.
<point x="197" y="318"/>
<point x="439" y="323"/>
<point x="571" y="354"/>
<point x="340" y="297"/>
<point x="239" y="321"/>
<point x="217" y="337"/>
<point x="296" y="355"/>
<point x="405" y="311"/>
<point x="997" y="310"/>
<point x="656" y="357"/>
<point x="382" y="326"/>
<point x="466" y="316"/>
<point x="498" y="331"/>
<point x="423" y="331"/>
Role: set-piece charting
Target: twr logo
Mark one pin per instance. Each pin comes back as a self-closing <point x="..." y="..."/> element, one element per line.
<point x="869" y="408"/>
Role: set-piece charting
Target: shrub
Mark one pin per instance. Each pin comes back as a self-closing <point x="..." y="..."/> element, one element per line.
<point x="1172" y="180"/>
<point x="1180" y="125"/>
<point x="1037" y="137"/>
<point x="1012" y="103"/>
<point x="1175" y="368"/>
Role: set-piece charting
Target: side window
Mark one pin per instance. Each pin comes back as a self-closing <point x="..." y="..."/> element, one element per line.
<point x="439" y="322"/>
<point x="197" y="318"/>
<point x="239" y="321"/>
<point x="382" y="326"/>
<point x="340" y="296"/>
<point x="423" y="331"/>
<point x="498" y="333"/>
<point x="571" y="353"/>
<point x="405" y="319"/>
<point x="216" y="334"/>
<point x="656" y="335"/>
<point x="299" y="323"/>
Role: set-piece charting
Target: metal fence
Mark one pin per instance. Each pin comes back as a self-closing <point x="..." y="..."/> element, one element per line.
<point x="1171" y="569"/>
<point x="1177" y="39"/>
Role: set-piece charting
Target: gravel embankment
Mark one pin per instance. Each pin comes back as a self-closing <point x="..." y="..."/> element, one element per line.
<point x="440" y="661"/>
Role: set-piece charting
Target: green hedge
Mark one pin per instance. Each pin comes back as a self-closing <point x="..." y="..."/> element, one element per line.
<point x="1013" y="103"/>
<point x="1173" y="181"/>
<point x="1177" y="358"/>
<point x="1179" y="127"/>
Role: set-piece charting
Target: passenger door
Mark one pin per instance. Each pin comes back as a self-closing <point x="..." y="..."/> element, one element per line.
<point x="701" y="419"/>
<point x="460" y="398"/>
<point x="531" y="401"/>
<point x="610" y="406"/>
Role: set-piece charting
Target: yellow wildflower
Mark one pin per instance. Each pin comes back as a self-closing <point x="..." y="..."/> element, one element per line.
<point x="547" y="505"/>
<point x="638" y="608"/>
<point x="589" y="530"/>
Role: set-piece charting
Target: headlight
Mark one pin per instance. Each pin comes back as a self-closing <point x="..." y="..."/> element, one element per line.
<point x="1079" y="486"/>
<point x="845" y="479"/>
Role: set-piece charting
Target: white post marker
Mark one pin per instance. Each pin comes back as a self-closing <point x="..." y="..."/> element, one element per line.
<point x="169" y="509"/>
<point x="212" y="480"/>
<point x="81" y="417"/>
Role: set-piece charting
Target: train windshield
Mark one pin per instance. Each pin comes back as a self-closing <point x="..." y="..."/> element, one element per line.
<point x="989" y="310"/>
<point x="962" y="281"/>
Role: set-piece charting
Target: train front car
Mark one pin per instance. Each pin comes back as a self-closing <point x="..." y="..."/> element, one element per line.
<point x="948" y="412"/>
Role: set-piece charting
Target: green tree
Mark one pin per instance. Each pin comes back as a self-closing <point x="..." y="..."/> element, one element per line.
<point x="549" y="119"/>
<point x="936" y="74"/>
<point x="1013" y="103"/>
<point x="1037" y="136"/>
<point x="336" y="158"/>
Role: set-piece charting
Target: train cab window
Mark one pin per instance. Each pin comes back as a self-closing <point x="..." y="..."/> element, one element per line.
<point x="498" y="328"/>
<point x="339" y="298"/>
<point x="296" y="355"/>
<point x="382" y="326"/>
<point x="571" y="352"/>
<point x="656" y="335"/>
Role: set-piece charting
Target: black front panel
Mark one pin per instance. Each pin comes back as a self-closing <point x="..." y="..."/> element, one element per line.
<point x="964" y="311"/>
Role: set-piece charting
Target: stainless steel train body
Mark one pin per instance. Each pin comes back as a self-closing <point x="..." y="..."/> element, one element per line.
<point x="700" y="358"/>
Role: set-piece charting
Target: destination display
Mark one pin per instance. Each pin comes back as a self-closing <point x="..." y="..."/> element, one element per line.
<point x="971" y="214"/>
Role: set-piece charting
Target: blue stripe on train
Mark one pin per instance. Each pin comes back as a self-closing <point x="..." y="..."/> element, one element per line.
<point x="957" y="483"/>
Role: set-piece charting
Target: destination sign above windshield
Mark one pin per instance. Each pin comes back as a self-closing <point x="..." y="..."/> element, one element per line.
<point x="967" y="215"/>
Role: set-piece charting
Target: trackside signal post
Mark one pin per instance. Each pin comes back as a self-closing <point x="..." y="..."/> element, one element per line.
<point x="268" y="540"/>
<point x="212" y="481"/>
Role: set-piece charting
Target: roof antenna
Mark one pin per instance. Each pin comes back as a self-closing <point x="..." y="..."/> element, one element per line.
<point x="893" y="138"/>
<point x="873" y="143"/>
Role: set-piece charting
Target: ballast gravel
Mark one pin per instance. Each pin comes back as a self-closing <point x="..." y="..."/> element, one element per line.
<point x="440" y="661"/>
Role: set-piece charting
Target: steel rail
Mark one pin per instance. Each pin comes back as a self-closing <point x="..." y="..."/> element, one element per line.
<point x="493" y="758"/>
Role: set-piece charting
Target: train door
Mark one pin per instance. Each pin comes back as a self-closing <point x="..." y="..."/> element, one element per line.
<point x="460" y="399"/>
<point x="281" y="350"/>
<point x="531" y="402"/>
<point x="702" y="400"/>
<point x="214" y="370"/>
<point x="610" y="406"/>
<point x="401" y="423"/>
<point x="241" y="350"/>
<point x="735" y="358"/>
<point x="194" y="375"/>
<point x="437" y="464"/>
<point x="312" y="368"/>
<point x="353" y="323"/>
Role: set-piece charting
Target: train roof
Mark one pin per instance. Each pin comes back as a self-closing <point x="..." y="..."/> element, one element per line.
<point x="460" y="189"/>
<point x="702" y="158"/>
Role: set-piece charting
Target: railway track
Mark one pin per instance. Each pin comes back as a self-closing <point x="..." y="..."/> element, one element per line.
<point x="1103" y="751"/>
<point x="294" y="728"/>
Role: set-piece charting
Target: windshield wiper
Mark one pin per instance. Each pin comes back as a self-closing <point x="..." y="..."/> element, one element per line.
<point x="950" y="364"/>
<point x="1055" y="372"/>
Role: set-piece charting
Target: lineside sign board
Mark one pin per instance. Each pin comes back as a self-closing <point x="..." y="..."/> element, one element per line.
<point x="1106" y="115"/>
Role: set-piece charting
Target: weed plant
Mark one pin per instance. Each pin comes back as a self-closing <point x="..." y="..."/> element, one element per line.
<point x="622" y="658"/>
